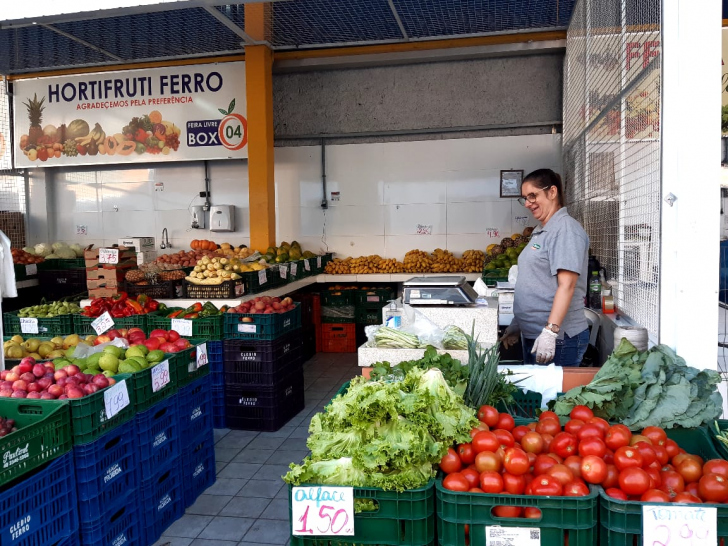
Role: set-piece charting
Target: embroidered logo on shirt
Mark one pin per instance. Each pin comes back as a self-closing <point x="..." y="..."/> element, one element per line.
<point x="536" y="246"/>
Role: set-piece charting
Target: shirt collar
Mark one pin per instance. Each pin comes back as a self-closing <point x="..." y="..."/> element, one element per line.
<point x="558" y="214"/>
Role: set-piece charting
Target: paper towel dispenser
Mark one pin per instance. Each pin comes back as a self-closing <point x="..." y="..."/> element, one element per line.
<point x="222" y="218"/>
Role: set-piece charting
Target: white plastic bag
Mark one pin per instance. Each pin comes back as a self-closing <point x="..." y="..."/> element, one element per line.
<point x="82" y="350"/>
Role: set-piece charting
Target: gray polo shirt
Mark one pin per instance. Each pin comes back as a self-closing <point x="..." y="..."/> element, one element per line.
<point x="561" y="244"/>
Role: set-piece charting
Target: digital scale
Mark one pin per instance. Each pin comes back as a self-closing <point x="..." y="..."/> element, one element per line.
<point x="444" y="290"/>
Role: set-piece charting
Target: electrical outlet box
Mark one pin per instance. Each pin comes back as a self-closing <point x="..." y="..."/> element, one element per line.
<point x="222" y="218"/>
<point x="198" y="217"/>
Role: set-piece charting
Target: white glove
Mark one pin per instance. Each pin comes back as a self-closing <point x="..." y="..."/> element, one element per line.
<point x="511" y="336"/>
<point x="545" y="346"/>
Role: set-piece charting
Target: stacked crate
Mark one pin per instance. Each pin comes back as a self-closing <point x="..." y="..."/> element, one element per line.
<point x="62" y="278"/>
<point x="263" y="369"/>
<point x="310" y="322"/>
<point x="104" y="279"/>
<point x="217" y="379"/>
<point x="368" y="302"/>
<point x="338" y="314"/>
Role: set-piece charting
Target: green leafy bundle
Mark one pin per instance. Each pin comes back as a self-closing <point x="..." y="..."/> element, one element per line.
<point x="386" y="435"/>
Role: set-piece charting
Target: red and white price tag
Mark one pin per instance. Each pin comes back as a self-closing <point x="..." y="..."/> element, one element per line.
<point x="283" y="270"/>
<point x="103" y="324"/>
<point x="322" y="511"/>
<point x="307" y="265"/>
<point x="29" y="325"/>
<point x="31" y="269"/>
<point x="202" y="358"/>
<point x="116" y="398"/>
<point x="108" y="255"/>
<point x="294" y="268"/>
<point x="182" y="326"/>
<point x="160" y="376"/>
<point x="262" y="277"/>
<point x="492" y="233"/>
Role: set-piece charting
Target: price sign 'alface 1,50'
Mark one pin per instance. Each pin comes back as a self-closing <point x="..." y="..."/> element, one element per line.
<point x="317" y="511"/>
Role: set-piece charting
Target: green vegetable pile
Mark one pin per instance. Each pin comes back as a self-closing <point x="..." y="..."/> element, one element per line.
<point x="455" y="339"/>
<point x="653" y="388"/>
<point x="386" y="435"/>
<point x="391" y="338"/>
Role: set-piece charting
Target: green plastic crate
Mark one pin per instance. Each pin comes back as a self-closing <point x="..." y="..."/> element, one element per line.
<point x="144" y="395"/>
<point x="21" y="272"/>
<point x="82" y="324"/>
<point x="61" y="325"/>
<point x="719" y="446"/>
<point x="338" y="314"/>
<point x="374" y="298"/>
<point x="368" y="316"/>
<point x="401" y="519"/>
<point x="299" y="268"/>
<point x="621" y="521"/>
<point x="562" y="518"/>
<point x="494" y="276"/>
<point x="525" y="404"/>
<point x="261" y="327"/>
<point x="337" y="298"/>
<point x="252" y="284"/>
<point x="75" y="263"/>
<point x="185" y="364"/>
<point x="44" y="433"/>
<point x="202" y="328"/>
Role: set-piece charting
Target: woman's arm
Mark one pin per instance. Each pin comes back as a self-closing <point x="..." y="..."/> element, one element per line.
<point x="564" y="293"/>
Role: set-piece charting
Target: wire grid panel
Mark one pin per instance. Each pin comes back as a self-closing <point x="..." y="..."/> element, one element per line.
<point x="12" y="183"/>
<point x="612" y="144"/>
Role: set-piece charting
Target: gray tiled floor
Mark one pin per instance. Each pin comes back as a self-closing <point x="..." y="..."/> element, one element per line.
<point x="248" y="504"/>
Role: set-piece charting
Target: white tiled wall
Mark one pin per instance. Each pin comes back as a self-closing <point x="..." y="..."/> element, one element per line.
<point x="386" y="191"/>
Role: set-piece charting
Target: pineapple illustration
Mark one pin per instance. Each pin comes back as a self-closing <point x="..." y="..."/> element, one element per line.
<point x="35" y="115"/>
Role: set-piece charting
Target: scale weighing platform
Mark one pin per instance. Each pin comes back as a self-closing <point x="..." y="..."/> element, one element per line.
<point x="443" y="290"/>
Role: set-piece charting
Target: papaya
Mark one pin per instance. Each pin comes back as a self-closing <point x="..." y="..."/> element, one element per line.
<point x="111" y="145"/>
<point x="126" y="147"/>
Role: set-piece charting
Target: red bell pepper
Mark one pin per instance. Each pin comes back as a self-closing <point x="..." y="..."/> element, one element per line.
<point x="134" y="307"/>
<point x="121" y="296"/>
<point x="176" y="314"/>
<point x="191" y="315"/>
<point x="151" y="305"/>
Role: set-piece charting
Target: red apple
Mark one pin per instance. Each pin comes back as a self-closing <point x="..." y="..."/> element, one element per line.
<point x="123" y="332"/>
<point x="152" y="343"/>
<point x="100" y="381"/>
<point x="3" y="374"/>
<point x="12" y="376"/>
<point x="181" y="344"/>
<point x="28" y="360"/>
<point x="135" y="330"/>
<point x="60" y="374"/>
<point x="6" y="393"/>
<point x="16" y="369"/>
<point x="34" y="387"/>
<point x="19" y="394"/>
<point x="63" y="397"/>
<point x="27" y="377"/>
<point x="172" y="336"/>
<point x="55" y="390"/>
<point x="39" y="370"/>
<point x="74" y="392"/>
<point x="20" y="385"/>
<point x="104" y="338"/>
<point x="44" y="383"/>
<point x="72" y="369"/>
<point x="158" y="333"/>
<point x="61" y="382"/>
<point x="90" y="388"/>
<point x="25" y="366"/>
<point x="46" y="396"/>
<point x="33" y="394"/>
<point x="168" y="347"/>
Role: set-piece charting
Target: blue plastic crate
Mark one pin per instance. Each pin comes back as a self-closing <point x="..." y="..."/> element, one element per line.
<point x="40" y="508"/>
<point x="159" y="436"/>
<point x="162" y="501"/>
<point x="121" y="527"/>
<point x="106" y="472"/>
<point x="72" y="540"/>
<point x="214" y="352"/>
<point x="198" y="467"/>
<point x="218" y="407"/>
<point x="194" y="406"/>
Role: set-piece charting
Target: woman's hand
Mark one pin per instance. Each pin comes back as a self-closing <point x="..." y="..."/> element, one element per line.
<point x="511" y="336"/>
<point x="545" y="346"/>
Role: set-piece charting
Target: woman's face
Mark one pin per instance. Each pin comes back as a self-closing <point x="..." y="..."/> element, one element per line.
<point x="545" y="202"/>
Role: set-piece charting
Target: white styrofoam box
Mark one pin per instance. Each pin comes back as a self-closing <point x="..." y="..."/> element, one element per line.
<point x="484" y="319"/>
<point x="140" y="243"/>
<point x="146" y="257"/>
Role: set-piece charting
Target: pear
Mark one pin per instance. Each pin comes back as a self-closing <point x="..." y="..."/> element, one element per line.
<point x="71" y="341"/>
<point x="56" y="353"/>
<point x="109" y="362"/>
<point x="14" y="351"/>
<point x="57" y="342"/>
<point x="32" y="344"/>
<point x="113" y="350"/>
<point x="45" y="348"/>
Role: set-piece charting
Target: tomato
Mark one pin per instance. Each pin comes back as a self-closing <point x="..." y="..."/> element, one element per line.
<point x="562" y="473"/>
<point x="548" y="426"/>
<point x="564" y="445"/>
<point x="472" y="475"/>
<point x="654" y="495"/>
<point x="672" y="448"/>
<point x="451" y="462"/>
<point x="661" y="454"/>
<point x="609" y="456"/>
<point x="601" y="423"/>
<point x="488" y="461"/>
<point x="616" y="493"/>
<point x="555" y="457"/>
<point x="690" y="470"/>
<point x="466" y="453"/>
<point x="592" y="446"/>
<point x="548" y="414"/>
<point x="573" y="463"/>
<point x="485" y="441"/>
<point x="505" y="438"/>
<point x="505" y="422"/>
<point x="593" y="469"/>
<point x="478" y="428"/>
<point x="546" y="486"/>
<point x="627" y="457"/>
<point x="488" y="415"/>
<point x="532" y="512"/>
<point x="491" y="482"/>
<point x="612" y="479"/>
<point x="648" y="453"/>
<point x="547" y="439"/>
<point x="531" y="458"/>
<point x="655" y="476"/>
<point x="576" y="489"/>
<point x="672" y="482"/>
<point x="656" y="435"/>
<point x="713" y="488"/>
<point x="542" y="464"/>
<point x="515" y="485"/>
<point x="639" y="438"/>
<point x="572" y="426"/>
<point x="716" y="466"/>
<point x="532" y="442"/>
<point x="475" y="490"/>
<point x="531" y="425"/>
<point x="686" y="498"/>
<point x="693" y="489"/>
<point x="516" y="461"/>
<point x="617" y="436"/>
<point x="507" y="511"/>
<point x="634" y="481"/>
<point x="519" y="432"/>
<point x="455" y="482"/>
<point x="589" y="431"/>
<point x="581" y="412"/>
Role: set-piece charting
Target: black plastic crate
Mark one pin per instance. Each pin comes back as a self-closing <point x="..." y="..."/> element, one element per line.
<point x="243" y="350"/>
<point x="262" y="374"/>
<point x="264" y="408"/>
<point x="374" y="297"/>
<point x="308" y="342"/>
<point x="306" y="299"/>
<point x="161" y="290"/>
<point x="60" y="278"/>
<point x="203" y="292"/>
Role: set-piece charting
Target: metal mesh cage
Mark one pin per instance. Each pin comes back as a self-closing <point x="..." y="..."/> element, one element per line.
<point x="12" y="184"/>
<point x="612" y="144"/>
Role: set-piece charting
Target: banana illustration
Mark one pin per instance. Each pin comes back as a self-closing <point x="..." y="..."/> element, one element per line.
<point x="97" y="135"/>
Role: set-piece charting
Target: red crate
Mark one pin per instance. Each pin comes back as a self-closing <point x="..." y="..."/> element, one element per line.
<point x="338" y="338"/>
<point x="316" y="313"/>
<point x="319" y="338"/>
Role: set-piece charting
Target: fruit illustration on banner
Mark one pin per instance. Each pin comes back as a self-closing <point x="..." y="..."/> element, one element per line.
<point x="233" y="129"/>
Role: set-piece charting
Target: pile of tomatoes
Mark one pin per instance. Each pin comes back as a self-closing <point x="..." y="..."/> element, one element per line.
<point x="542" y="459"/>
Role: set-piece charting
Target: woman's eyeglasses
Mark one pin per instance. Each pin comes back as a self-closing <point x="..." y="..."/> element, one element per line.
<point x="531" y="197"/>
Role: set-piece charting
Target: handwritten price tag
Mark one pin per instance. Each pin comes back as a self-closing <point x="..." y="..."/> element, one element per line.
<point x="307" y="265"/>
<point x="490" y="232"/>
<point x="262" y="277"/>
<point x="318" y="262"/>
<point x="679" y="525"/>
<point x="103" y="323"/>
<point x="202" y="359"/>
<point x="108" y="255"/>
<point x="31" y="269"/>
<point x="160" y="376"/>
<point x="294" y="269"/>
<point x="424" y="229"/>
<point x="29" y="325"/>
<point x="317" y="511"/>
<point x="182" y="326"/>
<point x="496" y="535"/>
<point x="283" y="270"/>
<point x="116" y="398"/>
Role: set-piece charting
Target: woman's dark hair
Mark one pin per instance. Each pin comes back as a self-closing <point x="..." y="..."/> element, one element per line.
<point x="544" y="179"/>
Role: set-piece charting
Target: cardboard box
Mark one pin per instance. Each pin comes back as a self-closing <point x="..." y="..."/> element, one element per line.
<point x="505" y="303"/>
<point x="102" y="292"/>
<point x="141" y="244"/>
<point x="91" y="256"/>
<point x="92" y="273"/>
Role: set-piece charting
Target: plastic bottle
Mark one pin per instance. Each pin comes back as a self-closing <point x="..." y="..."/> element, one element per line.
<point x="393" y="315"/>
<point x="595" y="291"/>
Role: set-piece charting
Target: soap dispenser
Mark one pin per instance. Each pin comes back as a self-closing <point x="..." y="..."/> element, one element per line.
<point x="222" y="218"/>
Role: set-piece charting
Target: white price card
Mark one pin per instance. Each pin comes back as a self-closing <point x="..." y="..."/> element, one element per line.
<point x="182" y="326"/>
<point x="495" y="535"/>
<point x="318" y="262"/>
<point x="247" y="328"/>
<point x="160" y="376"/>
<point x="262" y="277"/>
<point x="294" y="269"/>
<point x="103" y="324"/>
<point x="108" y="255"/>
<point x="284" y="271"/>
<point x="202" y="359"/>
<point x="116" y="398"/>
<point x="307" y="265"/>
<point x="664" y="524"/>
<point x="319" y="511"/>
<point x="31" y="269"/>
<point x="29" y="325"/>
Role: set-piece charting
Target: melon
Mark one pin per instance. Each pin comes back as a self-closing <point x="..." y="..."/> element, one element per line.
<point x="77" y="128"/>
